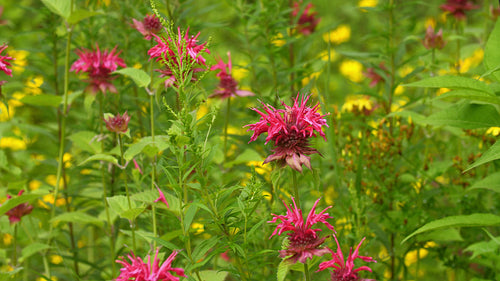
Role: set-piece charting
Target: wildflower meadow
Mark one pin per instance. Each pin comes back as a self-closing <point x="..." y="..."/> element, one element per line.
<point x="227" y="140"/>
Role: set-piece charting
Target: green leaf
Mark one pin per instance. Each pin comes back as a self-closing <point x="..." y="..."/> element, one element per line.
<point x="213" y="275"/>
<point x="246" y="156"/>
<point x="204" y="247"/>
<point x="443" y="235"/>
<point x="42" y="100"/>
<point x="466" y="115"/>
<point x="471" y="95"/>
<point x="140" y="77"/>
<point x="474" y="220"/>
<point x="482" y="248"/>
<point x="160" y="144"/>
<point x="59" y="7"/>
<point x="16" y="200"/>
<point x="119" y="204"/>
<point x="78" y="217"/>
<point x="491" y="154"/>
<point x="80" y="14"/>
<point x="282" y="271"/>
<point x="491" y="54"/>
<point x="190" y="213"/>
<point x="452" y="82"/>
<point x="33" y="248"/>
<point x="491" y="182"/>
<point x="86" y="140"/>
<point x="100" y="157"/>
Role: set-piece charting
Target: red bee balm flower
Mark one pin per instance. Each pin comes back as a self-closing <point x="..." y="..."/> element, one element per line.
<point x="147" y="27"/>
<point x="15" y="214"/>
<point x="150" y="271"/>
<point x="304" y="242"/>
<point x="118" y="123"/>
<point x="344" y="270"/>
<point x="290" y="130"/>
<point x="227" y="86"/>
<point x="4" y="61"/>
<point x="307" y="21"/>
<point x="458" y="7"/>
<point x="99" y="66"/>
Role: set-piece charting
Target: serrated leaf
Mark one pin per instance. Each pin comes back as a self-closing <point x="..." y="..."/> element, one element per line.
<point x="59" y="7"/>
<point x="42" y="100"/>
<point x="482" y="248"/>
<point x="491" y="54"/>
<point x="16" y="200"/>
<point x="471" y="95"/>
<point x="100" y="157"/>
<point x="78" y="217"/>
<point x="474" y="220"/>
<point x="466" y="115"/>
<point x="160" y="144"/>
<point x="139" y="76"/>
<point x="120" y="205"/>
<point x="452" y="82"/>
<point x="33" y="248"/>
<point x="493" y="153"/>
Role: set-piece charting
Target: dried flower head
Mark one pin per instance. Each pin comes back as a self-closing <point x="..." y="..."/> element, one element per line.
<point x="433" y="40"/>
<point x="4" y="64"/>
<point x="308" y="20"/>
<point x="150" y="271"/>
<point x="304" y="242"/>
<point x="15" y="214"/>
<point x="117" y="124"/>
<point x="343" y="270"/>
<point x="372" y="73"/>
<point x="148" y="26"/>
<point x="228" y="86"/>
<point x="458" y="8"/>
<point x="290" y="130"/>
<point x="99" y="66"/>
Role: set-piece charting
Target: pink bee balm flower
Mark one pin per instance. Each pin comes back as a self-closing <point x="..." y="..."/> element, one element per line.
<point x="4" y="61"/>
<point x="99" y="66"/>
<point x="151" y="271"/>
<point x="178" y="55"/>
<point x="161" y="197"/>
<point x="308" y="20"/>
<point x="458" y="8"/>
<point x="148" y="26"/>
<point x="344" y="270"/>
<point x="118" y="124"/>
<point x="304" y="242"/>
<point x="290" y="130"/>
<point x="228" y="87"/>
<point x="15" y="214"/>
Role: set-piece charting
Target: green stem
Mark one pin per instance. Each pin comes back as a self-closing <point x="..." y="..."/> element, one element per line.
<point x="14" y="252"/>
<point x="132" y="222"/>
<point x="295" y="188"/>
<point x="153" y="170"/>
<point x="226" y="124"/>
<point x="104" y="192"/>
<point x="307" y="275"/>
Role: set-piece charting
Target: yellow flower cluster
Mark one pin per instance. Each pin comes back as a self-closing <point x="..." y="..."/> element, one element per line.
<point x="352" y="69"/>
<point x="339" y="35"/>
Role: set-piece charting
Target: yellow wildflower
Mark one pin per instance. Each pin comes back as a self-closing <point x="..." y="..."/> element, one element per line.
<point x="33" y="85"/>
<point x="330" y="195"/>
<point x="495" y="131"/>
<point x="34" y="184"/>
<point x="339" y="35"/>
<point x="324" y="55"/>
<point x="12" y="143"/>
<point x="239" y="73"/>
<point x="357" y="103"/>
<point x="20" y="61"/>
<point x="137" y="65"/>
<point x="56" y="259"/>
<point x="6" y="114"/>
<point x="7" y="239"/>
<point x="267" y="195"/>
<point x="411" y="256"/>
<point x="278" y="40"/>
<point x="399" y="90"/>
<point x="234" y="230"/>
<point x="352" y="69"/>
<point x="52" y="179"/>
<point x="67" y="159"/>
<point x="197" y="227"/>
<point x="342" y="223"/>
<point x="430" y="22"/>
<point x="442" y="91"/>
<point x="367" y="3"/>
<point x="260" y="168"/>
<point x="86" y="171"/>
<point x="307" y="79"/>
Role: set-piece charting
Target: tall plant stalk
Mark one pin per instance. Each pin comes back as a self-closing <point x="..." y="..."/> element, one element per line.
<point x="132" y="222"/>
